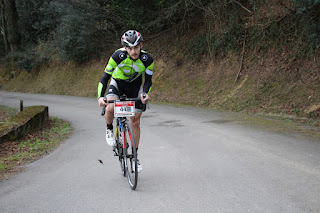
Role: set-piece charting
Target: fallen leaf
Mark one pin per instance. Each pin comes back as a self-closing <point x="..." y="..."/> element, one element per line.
<point x="100" y="161"/>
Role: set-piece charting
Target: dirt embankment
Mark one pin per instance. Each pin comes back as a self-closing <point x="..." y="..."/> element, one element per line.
<point x="269" y="82"/>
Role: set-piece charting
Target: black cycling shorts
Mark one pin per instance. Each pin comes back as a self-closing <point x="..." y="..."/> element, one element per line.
<point x="117" y="88"/>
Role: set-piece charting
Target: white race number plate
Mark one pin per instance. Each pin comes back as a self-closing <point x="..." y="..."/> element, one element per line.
<point x="124" y="108"/>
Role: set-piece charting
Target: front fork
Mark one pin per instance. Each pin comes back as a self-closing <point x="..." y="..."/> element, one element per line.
<point x="118" y="149"/>
<point x="121" y="141"/>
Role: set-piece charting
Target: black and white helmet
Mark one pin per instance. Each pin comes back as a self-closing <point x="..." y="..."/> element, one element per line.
<point x="131" y="38"/>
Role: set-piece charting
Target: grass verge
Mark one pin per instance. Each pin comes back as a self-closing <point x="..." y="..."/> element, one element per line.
<point x="15" y="154"/>
<point x="6" y="112"/>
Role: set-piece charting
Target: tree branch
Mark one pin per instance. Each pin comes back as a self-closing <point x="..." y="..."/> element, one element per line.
<point x="243" y="50"/>
<point x="249" y="11"/>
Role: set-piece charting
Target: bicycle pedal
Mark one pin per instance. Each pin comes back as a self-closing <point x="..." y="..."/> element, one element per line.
<point x="115" y="153"/>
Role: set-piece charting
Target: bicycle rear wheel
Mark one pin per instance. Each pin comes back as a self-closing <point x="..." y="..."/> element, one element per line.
<point x="130" y="157"/>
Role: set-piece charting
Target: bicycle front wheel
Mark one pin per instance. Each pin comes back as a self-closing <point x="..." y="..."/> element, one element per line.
<point x="118" y="136"/>
<point x="130" y="157"/>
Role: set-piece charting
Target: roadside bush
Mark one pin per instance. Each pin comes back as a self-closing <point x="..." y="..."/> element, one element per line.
<point x="21" y="61"/>
<point x="307" y="13"/>
<point x="75" y="33"/>
<point x="218" y="44"/>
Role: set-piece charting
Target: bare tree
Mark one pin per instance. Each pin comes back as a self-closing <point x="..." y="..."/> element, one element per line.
<point x="3" y="28"/>
<point x="11" y="24"/>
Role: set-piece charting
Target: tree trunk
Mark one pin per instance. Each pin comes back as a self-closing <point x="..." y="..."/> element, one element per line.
<point x="3" y="28"/>
<point x="12" y="24"/>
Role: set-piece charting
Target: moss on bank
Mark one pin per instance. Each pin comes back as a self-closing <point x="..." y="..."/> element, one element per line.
<point x="20" y="124"/>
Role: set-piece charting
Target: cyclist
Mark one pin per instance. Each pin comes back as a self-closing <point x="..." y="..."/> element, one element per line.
<point x="126" y="67"/>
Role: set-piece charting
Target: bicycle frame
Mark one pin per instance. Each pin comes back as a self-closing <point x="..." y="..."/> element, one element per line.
<point x="121" y="122"/>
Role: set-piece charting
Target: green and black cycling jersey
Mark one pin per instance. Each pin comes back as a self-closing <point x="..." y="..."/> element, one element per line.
<point x="122" y="67"/>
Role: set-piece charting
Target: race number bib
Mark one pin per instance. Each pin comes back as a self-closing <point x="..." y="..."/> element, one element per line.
<point x="124" y="108"/>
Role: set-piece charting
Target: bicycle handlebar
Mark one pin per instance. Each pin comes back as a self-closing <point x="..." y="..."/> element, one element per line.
<point x="121" y="99"/>
<point x="127" y="99"/>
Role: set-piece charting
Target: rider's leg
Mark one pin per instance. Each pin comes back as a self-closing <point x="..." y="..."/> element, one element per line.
<point x="135" y="124"/>
<point x="109" y="120"/>
<point x="113" y="94"/>
<point x="109" y="116"/>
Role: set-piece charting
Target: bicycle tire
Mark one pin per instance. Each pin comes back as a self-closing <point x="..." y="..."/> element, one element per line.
<point x="130" y="154"/>
<point x="118" y="137"/>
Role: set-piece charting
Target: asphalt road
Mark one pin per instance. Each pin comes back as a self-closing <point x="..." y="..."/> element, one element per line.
<point x="193" y="161"/>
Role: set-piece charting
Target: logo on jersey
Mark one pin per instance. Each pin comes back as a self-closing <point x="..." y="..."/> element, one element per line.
<point x="144" y="57"/>
<point x="121" y="55"/>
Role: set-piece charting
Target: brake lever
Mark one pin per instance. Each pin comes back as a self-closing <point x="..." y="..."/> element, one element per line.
<point x="147" y="102"/>
<point x="104" y="107"/>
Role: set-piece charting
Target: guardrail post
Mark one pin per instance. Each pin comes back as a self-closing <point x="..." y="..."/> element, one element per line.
<point x="21" y="105"/>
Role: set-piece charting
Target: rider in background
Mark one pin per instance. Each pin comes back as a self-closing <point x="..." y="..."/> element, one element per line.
<point x="126" y="67"/>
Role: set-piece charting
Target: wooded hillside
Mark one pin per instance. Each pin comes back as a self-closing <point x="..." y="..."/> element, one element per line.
<point x="270" y="47"/>
<point x="36" y="31"/>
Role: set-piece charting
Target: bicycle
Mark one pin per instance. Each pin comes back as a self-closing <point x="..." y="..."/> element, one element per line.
<point x="125" y="147"/>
